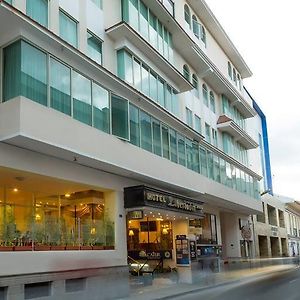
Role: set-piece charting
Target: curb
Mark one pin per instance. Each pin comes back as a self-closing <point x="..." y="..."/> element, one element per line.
<point x="245" y="279"/>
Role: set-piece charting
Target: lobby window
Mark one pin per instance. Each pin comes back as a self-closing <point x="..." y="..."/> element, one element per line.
<point x="68" y="29"/>
<point x="119" y="117"/>
<point x="189" y="117"/>
<point x="82" y="98"/>
<point x="101" y="111"/>
<point x="229" y="70"/>
<point x="99" y="3"/>
<point x="212" y="101"/>
<point x="205" y="94"/>
<point x="49" y="220"/>
<point x="203" y="161"/>
<point x="187" y="15"/>
<point x="60" y="87"/>
<point x="196" y="157"/>
<point x="189" y="153"/>
<point x="25" y="72"/>
<point x="196" y="28"/>
<point x="38" y="11"/>
<point x="186" y="72"/>
<point x="198" y="124"/>
<point x="94" y="47"/>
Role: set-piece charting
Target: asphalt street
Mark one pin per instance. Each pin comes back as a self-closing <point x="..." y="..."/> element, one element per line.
<point x="283" y="285"/>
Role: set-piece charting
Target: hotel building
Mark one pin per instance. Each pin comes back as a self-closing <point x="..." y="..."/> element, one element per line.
<point x="124" y="129"/>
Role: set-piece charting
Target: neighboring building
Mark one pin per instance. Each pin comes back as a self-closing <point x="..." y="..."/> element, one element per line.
<point x="271" y="239"/>
<point x="124" y="124"/>
<point x="292" y="219"/>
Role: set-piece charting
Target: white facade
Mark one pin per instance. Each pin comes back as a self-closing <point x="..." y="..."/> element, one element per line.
<point x="63" y="136"/>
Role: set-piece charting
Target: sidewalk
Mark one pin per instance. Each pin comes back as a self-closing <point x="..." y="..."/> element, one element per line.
<point x="164" y="289"/>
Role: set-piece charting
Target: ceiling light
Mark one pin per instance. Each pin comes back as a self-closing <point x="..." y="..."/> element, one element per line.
<point x="67" y="195"/>
<point x="15" y="190"/>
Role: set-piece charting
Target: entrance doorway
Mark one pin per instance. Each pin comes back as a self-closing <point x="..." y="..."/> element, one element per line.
<point x="284" y="250"/>
<point x="263" y="246"/>
<point x="246" y="248"/>
<point x="275" y="251"/>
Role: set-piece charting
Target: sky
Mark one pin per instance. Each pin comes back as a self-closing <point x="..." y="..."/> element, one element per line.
<point x="266" y="33"/>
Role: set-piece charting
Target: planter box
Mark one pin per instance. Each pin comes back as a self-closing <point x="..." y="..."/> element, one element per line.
<point x="6" y="248"/>
<point x="86" y="248"/>
<point x="73" y="248"/>
<point x="98" y="247"/>
<point x="58" y="248"/>
<point x="23" y="248"/>
<point x="109" y="247"/>
<point x="42" y="248"/>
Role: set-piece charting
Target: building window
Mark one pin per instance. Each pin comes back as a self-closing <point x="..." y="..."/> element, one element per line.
<point x="38" y="11"/>
<point x="173" y="145"/>
<point x="196" y="28"/>
<point x="25" y="72"/>
<point x="214" y="137"/>
<point x="189" y="117"/>
<point x="229" y="70"/>
<point x="139" y="16"/>
<point x="119" y="117"/>
<point x="186" y="72"/>
<point x="98" y="3"/>
<point x="82" y="98"/>
<point x="68" y="29"/>
<point x="146" y="80"/>
<point x="205" y="94"/>
<point x="37" y="290"/>
<point x="212" y="101"/>
<point x="207" y="133"/>
<point x="239" y="81"/>
<point x="60" y="87"/>
<point x="181" y="149"/>
<point x="146" y="131"/>
<point x="203" y="35"/>
<point x="234" y="75"/>
<point x="165" y="141"/>
<point x="198" y="124"/>
<point x="94" y="48"/>
<point x="101" y="118"/>
<point x="195" y="85"/>
<point x="187" y="15"/>
<point x="8" y="1"/>
<point x="156" y="134"/>
<point x="134" y="125"/>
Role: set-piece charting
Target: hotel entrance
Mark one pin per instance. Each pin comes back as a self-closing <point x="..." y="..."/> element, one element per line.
<point x="158" y="229"/>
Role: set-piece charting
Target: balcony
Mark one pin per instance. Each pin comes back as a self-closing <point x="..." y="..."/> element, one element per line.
<point x="226" y="124"/>
<point x="123" y="30"/>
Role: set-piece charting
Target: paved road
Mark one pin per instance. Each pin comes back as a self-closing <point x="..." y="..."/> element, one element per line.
<point x="278" y="286"/>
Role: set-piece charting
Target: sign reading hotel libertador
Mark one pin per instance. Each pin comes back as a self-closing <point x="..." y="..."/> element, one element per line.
<point x="167" y="201"/>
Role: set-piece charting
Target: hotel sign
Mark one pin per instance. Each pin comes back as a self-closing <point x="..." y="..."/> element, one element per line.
<point x="138" y="197"/>
<point x="173" y="202"/>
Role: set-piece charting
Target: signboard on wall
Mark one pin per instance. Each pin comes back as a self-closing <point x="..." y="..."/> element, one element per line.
<point x="193" y="253"/>
<point x="151" y="255"/>
<point x="182" y="250"/>
<point x="143" y="196"/>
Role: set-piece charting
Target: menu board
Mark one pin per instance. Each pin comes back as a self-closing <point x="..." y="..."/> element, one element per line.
<point x="182" y="251"/>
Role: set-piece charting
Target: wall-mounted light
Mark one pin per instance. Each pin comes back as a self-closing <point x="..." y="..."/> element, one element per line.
<point x="131" y="233"/>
